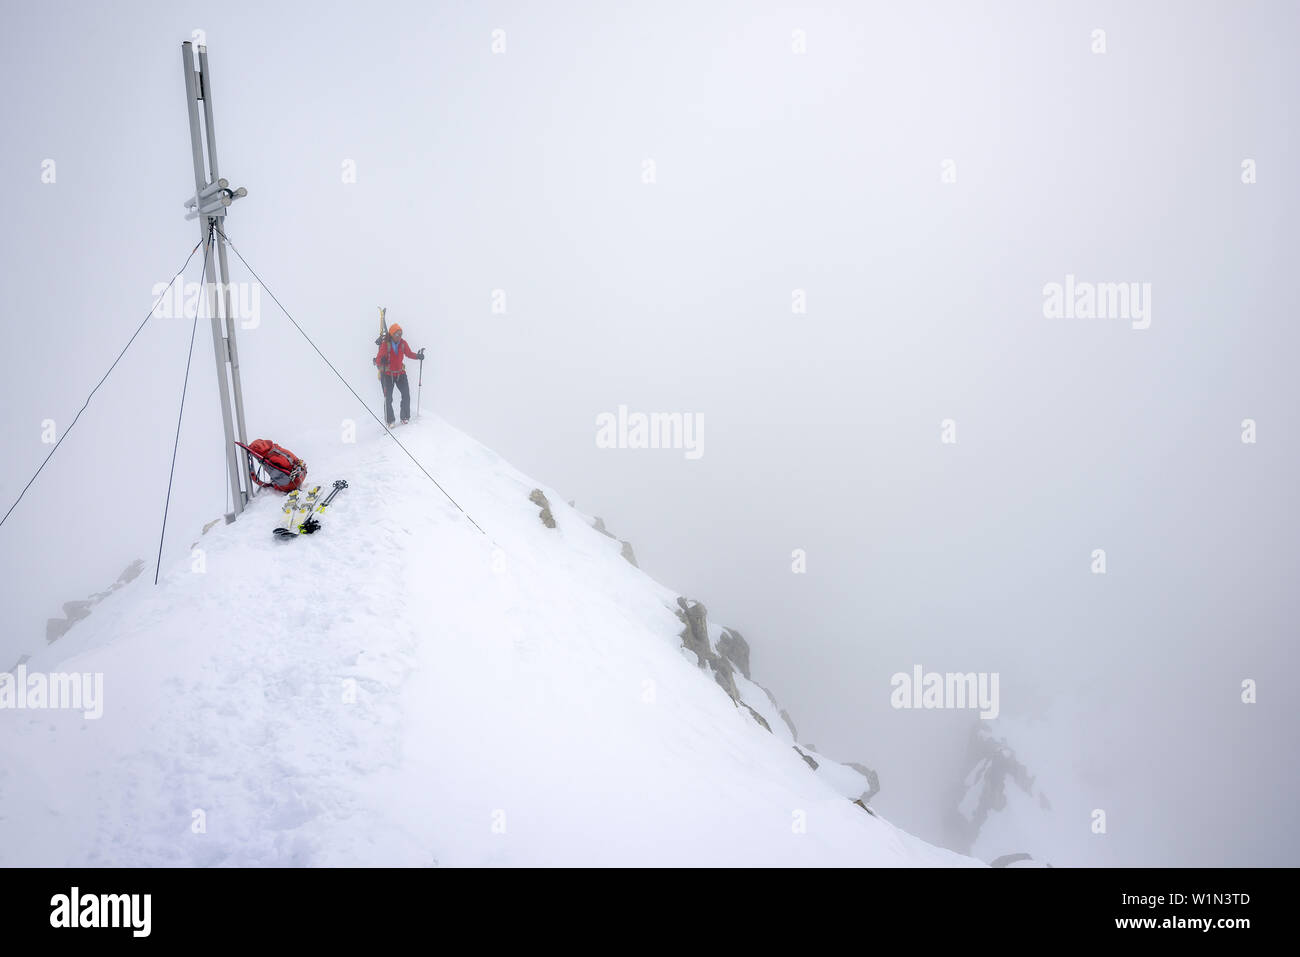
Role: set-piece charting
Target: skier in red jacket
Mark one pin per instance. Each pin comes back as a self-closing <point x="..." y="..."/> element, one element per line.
<point x="392" y="371"/>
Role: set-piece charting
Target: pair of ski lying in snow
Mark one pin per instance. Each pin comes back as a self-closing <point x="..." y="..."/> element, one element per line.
<point x="310" y="506"/>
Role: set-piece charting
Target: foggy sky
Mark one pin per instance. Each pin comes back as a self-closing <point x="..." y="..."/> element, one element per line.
<point x="775" y="171"/>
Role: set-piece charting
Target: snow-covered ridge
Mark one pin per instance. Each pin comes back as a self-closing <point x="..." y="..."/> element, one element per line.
<point x="401" y="689"/>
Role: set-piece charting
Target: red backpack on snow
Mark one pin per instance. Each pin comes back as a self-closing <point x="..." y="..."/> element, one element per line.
<point x="271" y="466"/>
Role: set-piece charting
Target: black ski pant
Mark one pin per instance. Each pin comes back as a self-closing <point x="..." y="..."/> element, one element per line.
<point x="404" y="387"/>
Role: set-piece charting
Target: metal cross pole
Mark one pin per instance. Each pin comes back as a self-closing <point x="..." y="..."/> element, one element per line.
<point x="237" y="393"/>
<point x="212" y="195"/>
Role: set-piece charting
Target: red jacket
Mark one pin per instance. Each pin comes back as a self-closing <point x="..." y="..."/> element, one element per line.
<point x="395" y="365"/>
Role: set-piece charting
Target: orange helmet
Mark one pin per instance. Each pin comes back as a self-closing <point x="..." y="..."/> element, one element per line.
<point x="395" y="331"/>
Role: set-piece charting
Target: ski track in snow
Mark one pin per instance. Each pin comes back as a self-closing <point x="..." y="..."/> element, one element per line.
<point x="521" y="698"/>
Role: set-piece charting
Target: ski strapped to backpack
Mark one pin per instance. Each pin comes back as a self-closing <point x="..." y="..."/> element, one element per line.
<point x="383" y="337"/>
<point x="272" y="466"/>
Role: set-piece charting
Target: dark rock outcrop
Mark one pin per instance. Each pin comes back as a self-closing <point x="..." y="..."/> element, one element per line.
<point x="695" y="637"/>
<point x="993" y="764"/>
<point x="758" y="717"/>
<point x="538" y="498"/>
<point x="74" y="611"/>
<point x="626" y="550"/>
<point x="785" y="716"/>
<point x="736" y="649"/>
<point x="873" y="780"/>
<point x="731" y="655"/>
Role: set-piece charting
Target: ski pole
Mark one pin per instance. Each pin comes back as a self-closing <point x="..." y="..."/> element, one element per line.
<point x="419" y="388"/>
<point x="313" y="524"/>
<point x="339" y="485"/>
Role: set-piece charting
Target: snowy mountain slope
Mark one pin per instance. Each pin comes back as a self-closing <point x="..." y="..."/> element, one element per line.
<point x="999" y="802"/>
<point x="1024" y="793"/>
<point x="401" y="689"/>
